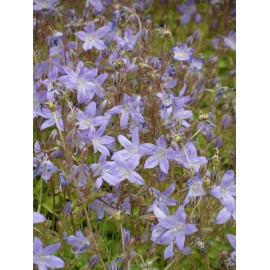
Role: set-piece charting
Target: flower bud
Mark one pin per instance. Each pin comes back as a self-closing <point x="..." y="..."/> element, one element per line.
<point x="67" y="209"/>
<point x="93" y="261"/>
<point x="126" y="236"/>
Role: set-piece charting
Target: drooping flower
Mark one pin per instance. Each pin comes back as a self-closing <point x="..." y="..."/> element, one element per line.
<point x="127" y="109"/>
<point x="128" y="42"/>
<point x="79" y="242"/>
<point x="43" y="257"/>
<point x="162" y="198"/>
<point x="230" y="40"/>
<point x="93" y="38"/>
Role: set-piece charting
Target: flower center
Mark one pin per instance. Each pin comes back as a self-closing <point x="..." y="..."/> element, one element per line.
<point x="180" y="227"/>
<point x="161" y="153"/>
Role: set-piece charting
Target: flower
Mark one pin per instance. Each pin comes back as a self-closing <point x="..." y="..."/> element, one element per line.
<point x="127" y="109"/>
<point x="43" y="257"/>
<point x="80" y="80"/>
<point x="131" y="148"/>
<point x="232" y="259"/>
<point x="105" y="170"/>
<point x="182" y="53"/>
<point x="195" y="188"/>
<point x="54" y="118"/>
<point x="187" y="11"/>
<point x="125" y="169"/>
<point x="88" y="119"/>
<point x="128" y="42"/>
<point x="79" y="242"/>
<point x="159" y="154"/>
<point x="37" y="218"/>
<point x="162" y="198"/>
<point x="226" y="192"/>
<point x="230" y="40"/>
<point x="196" y="63"/>
<point x="171" y="228"/>
<point x="44" y="4"/>
<point x="92" y="38"/>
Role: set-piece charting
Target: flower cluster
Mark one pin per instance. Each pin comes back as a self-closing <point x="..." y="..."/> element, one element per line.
<point x="134" y="134"/>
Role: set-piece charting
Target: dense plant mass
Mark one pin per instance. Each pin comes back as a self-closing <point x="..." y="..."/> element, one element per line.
<point x="134" y="134"/>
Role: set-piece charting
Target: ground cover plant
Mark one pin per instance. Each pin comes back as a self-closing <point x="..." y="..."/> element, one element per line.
<point x="134" y="134"/>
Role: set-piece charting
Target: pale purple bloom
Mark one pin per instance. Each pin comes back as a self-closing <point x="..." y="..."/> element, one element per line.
<point x="162" y="198"/>
<point x="187" y="11"/>
<point x="43" y="257"/>
<point x="88" y="119"/>
<point x="96" y="4"/>
<point x="232" y="259"/>
<point x="46" y="168"/>
<point x="47" y="66"/>
<point x="159" y="154"/>
<point x="127" y="109"/>
<point x="81" y="173"/>
<point x="38" y="98"/>
<point x="50" y="84"/>
<point x="182" y="53"/>
<point x="224" y="215"/>
<point x="92" y="38"/>
<point x="196" y="63"/>
<point x="195" y="189"/>
<point x="44" y="4"/>
<point x="80" y="80"/>
<point x="188" y="157"/>
<point x="131" y="148"/>
<point x="38" y="218"/>
<point x="98" y="141"/>
<point x="128" y="42"/>
<point x="125" y="170"/>
<point x="230" y="40"/>
<point x="54" y="118"/>
<point x="172" y="228"/>
<point x="105" y="170"/>
<point x="226" y="192"/>
<point x="79" y="242"/>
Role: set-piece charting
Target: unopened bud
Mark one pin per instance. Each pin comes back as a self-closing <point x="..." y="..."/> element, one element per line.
<point x="93" y="261"/>
<point x="67" y="209"/>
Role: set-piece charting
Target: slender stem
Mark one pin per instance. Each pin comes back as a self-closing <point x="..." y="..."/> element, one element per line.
<point x="40" y="196"/>
<point x="88" y="222"/>
<point x="197" y="131"/>
<point x="172" y="262"/>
